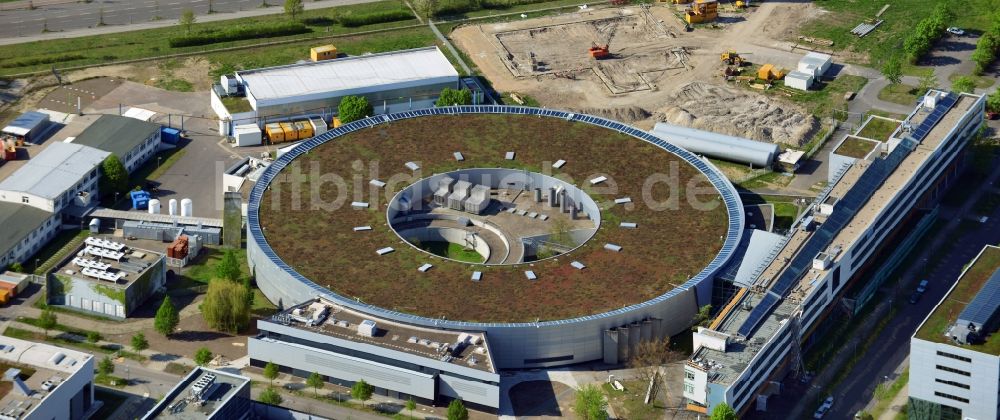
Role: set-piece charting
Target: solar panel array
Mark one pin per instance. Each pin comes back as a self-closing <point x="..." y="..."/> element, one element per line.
<point x="984" y="306"/>
<point x="845" y="210"/>
<point x="730" y="198"/>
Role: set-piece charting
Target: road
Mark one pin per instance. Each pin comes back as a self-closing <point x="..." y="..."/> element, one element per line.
<point x="85" y="18"/>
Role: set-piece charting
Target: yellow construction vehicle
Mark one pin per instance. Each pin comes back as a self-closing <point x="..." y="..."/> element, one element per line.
<point x="702" y="11"/>
<point x="732" y="58"/>
<point x="679" y="1"/>
<point x="742" y="4"/>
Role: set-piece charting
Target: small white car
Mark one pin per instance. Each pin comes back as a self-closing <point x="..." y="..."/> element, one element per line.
<point x="821" y="411"/>
<point x="955" y="31"/>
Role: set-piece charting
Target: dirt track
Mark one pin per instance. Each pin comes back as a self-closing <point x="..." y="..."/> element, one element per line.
<point x="653" y="63"/>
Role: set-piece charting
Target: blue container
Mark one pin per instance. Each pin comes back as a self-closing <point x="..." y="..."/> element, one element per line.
<point x="170" y="135"/>
<point x="140" y="200"/>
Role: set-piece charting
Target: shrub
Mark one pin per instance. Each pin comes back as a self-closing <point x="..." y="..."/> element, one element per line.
<point x="451" y="97"/>
<point x="353" y="108"/>
<point x="926" y="33"/>
<point x="237" y="33"/>
<point x="985" y="53"/>
<point x="34" y="61"/>
<point x="351" y="20"/>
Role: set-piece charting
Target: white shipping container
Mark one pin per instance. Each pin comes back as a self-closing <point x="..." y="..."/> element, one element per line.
<point x="247" y="135"/>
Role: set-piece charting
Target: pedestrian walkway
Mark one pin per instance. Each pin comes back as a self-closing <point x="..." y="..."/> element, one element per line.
<point x="900" y="400"/>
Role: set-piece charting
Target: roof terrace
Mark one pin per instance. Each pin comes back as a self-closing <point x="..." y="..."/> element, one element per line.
<point x="327" y="317"/>
<point x="974" y="281"/>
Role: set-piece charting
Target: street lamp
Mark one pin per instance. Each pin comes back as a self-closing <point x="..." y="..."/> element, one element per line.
<point x="158" y="161"/>
<point x="127" y="379"/>
<point x="36" y="265"/>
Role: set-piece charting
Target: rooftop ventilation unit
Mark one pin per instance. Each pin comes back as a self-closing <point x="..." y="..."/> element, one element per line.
<point x="367" y="328"/>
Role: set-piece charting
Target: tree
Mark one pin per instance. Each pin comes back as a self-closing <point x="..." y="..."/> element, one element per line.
<point x="993" y="101"/>
<point x="114" y="177"/>
<point x="47" y="321"/>
<point x="93" y="336"/>
<point x="315" y="381"/>
<point x="250" y="294"/>
<point x="451" y="97"/>
<point x="361" y="391"/>
<point x="203" y="356"/>
<point x="17" y="267"/>
<point x="457" y="411"/>
<point x="927" y="82"/>
<point x="139" y="342"/>
<point x="963" y="84"/>
<point x="293" y="8"/>
<point x="166" y="318"/>
<point x="186" y="20"/>
<point x="270" y="396"/>
<point x="353" y="108"/>
<point x="590" y="403"/>
<point x="650" y="355"/>
<point x="271" y="371"/>
<point x="985" y="53"/>
<point x="105" y="367"/>
<point x="411" y="406"/>
<point x="228" y="267"/>
<point x="426" y="8"/>
<point x="225" y="306"/>
<point x="893" y="70"/>
<point x="723" y="412"/>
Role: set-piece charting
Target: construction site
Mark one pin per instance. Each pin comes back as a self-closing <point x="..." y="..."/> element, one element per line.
<point x="649" y="63"/>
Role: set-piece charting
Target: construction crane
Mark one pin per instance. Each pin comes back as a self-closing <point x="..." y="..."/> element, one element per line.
<point x="733" y="58"/>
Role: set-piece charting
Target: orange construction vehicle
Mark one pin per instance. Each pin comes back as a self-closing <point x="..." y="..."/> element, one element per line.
<point x="702" y="11"/>
<point x="599" y="51"/>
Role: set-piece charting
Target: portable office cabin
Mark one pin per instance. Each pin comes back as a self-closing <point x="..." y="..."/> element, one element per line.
<point x="815" y="64"/>
<point x="799" y="80"/>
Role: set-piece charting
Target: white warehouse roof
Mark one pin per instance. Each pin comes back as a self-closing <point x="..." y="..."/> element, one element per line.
<point x="347" y="76"/>
<point x="716" y="145"/>
<point x="56" y="169"/>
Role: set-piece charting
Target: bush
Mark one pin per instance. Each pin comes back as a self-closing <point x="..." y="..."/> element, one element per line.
<point x="351" y="20"/>
<point x="353" y="108"/>
<point x="985" y="53"/>
<point x="451" y="97"/>
<point x="61" y="58"/>
<point x="237" y="33"/>
<point x="926" y="33"/>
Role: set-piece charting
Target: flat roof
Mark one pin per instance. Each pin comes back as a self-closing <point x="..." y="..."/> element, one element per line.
<point x="116" y="134"/>
<point x="55" y="170"/>
<point x="132" y="265"/>
<point x="729" y="364"/>
<point x="969" y="285"/>
<point x="25" y="122"/>
<point x="342" y="322"/>
<point x="50" y="363"/>
<point x="181" y="404"/>
<point x="347" y="74"/>
<point x="18" y="220"/>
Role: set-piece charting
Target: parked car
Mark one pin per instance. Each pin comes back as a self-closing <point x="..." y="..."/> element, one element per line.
<point x="915" y="297"/>
<point x="922" y="287"/>
<point x="955" y="31"/>
<point x="823" y="408"/>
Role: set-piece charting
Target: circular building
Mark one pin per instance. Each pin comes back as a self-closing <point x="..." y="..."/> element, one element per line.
<point x="565" y="238"/>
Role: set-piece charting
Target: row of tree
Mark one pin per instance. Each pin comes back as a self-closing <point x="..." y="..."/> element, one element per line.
<point x="353" y="108"/>
<point x="987" y="46"/>
<point x="929" y="30"/>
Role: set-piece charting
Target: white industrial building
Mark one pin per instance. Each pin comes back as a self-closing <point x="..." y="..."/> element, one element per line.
<point x="392" y="82"/>
<point x="815" y="64"/>
<point x="831" y="247"/>
<point x="720" y="146"/>
<point x="60" y="388"/>
<point x="799" y="80"/>
<point x="955" y="372"/>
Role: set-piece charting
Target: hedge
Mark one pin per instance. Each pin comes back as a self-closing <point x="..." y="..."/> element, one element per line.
<point x="354" y="20"/>
<point x="7" y="64"/>
<point x="238" y="33"/>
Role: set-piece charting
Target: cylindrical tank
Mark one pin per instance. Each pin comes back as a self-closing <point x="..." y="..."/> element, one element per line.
<point x="187" y="207"/>
<point x="154" y="206"/>
<point x="172" y="206"/>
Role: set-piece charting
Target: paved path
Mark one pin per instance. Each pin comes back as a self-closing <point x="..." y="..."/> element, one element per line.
<point x="451" y="48"/>
<point x="75" y="19"/>
<point x="895" y="406"/>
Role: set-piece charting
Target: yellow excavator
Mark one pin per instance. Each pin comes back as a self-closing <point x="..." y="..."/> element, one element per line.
<point x="733" y="58"/>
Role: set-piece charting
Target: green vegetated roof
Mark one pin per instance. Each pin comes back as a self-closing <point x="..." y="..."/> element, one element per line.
<point x="116" y="134"/>
<point x="667" y="248"/>
<point x="946" y="313"/>
<point x="855" y="147"/>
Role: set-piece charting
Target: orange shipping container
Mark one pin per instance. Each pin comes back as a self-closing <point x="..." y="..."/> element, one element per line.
<point x="4" y="297"/>
<point x="11" y="288"/>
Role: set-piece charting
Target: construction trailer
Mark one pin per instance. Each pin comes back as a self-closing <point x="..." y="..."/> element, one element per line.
<point x="702" y="11"/>
<point x="799" y="80"/>
<point x="815" y="64"/>
<point x="323" y="52"/>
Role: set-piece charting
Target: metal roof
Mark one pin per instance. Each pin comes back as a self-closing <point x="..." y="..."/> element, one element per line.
<point x="24" y="123"/>
<point x="18" y="220"/>
<point x="984" y="306"/>
<point x="717" y="145"/>
<point x="348" y="76"/>
<point x="116" y="134"/>
<point x="56" y="169"/>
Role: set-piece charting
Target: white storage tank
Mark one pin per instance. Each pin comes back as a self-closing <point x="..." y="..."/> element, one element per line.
<point x="187" y="207"/>
<point x="154" y="206"/>
<point x="172" y="206"/>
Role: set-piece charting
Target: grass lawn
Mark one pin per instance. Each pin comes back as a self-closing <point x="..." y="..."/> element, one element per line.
<point x="629" y="404"/>
<point x="202" y="270"/>
<point x="261" y="306"/>
<point x="885" y="393"/>
<point x="57" y="249"/>
<point x="784" y="215"/>
<point x="41" y="55"/>
<point x="767" y="180"/>
<point x="938" y="322"/>
<point x="453" y="251"/>
<point x="878" y="129"/>
<point x="855" y="147"/>
<point x="981" y="82"/>
<point x="236" y="104"/>
<point x="901" y="93"/>
<point x="825" y="99"/>
<point x="175" y="368"/>
<point x="65" y="340"/>
<point x="112" y="400"/>
<point x="900" y="19"/>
